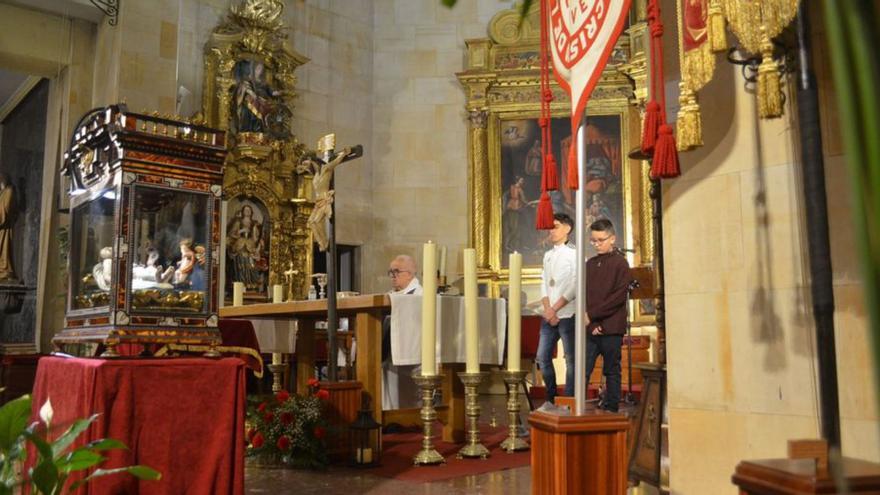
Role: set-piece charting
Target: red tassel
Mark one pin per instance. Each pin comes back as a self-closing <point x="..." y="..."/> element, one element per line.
<point x="549" y="175"/>
<point x="665" y="163"/>
<point x="573" y="182"/>
<point x="652" y="126"/>
<point x="544" y="217"/>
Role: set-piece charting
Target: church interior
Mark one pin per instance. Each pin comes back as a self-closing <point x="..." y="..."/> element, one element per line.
<point x="219" y="220"/>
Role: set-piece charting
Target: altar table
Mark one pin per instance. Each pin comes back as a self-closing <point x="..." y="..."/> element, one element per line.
<point x="183" y="417"/>
<point x="368" y="312"/>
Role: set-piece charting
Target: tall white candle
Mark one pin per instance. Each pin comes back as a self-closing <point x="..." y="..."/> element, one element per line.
<point x="429" y="309"/>
<point x="237" y="293"/>
<point x="442" y="261"/>
<point x="514" y="313"/>
<point x="471" y="334"/>
<point x="277" y="293"/>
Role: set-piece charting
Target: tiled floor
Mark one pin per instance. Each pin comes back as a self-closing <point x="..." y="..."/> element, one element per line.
<point x="350" y="482"/>
<point x="346" y="481"/>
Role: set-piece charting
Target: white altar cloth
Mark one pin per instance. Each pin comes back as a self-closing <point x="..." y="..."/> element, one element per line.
<point x="406" y="329"/>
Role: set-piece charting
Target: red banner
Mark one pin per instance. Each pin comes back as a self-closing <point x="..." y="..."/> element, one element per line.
<point x="582" y="36"/>
<point x="695" y="19"/>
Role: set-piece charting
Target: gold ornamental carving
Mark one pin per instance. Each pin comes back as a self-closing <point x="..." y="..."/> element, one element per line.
<point x="249" y="89"/>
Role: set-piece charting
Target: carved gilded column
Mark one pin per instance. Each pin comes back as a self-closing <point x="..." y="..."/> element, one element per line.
<point x="479" y="146"/>
<point x="224" y="97"/>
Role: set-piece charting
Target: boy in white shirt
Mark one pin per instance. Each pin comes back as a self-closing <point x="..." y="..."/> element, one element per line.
<point x="557" y="295"/>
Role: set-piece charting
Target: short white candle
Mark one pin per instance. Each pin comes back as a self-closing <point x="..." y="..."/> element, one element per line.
<point x="277" y="293"/>
<point x="276" y="358"/>
<point x="442" y="268"/>
<point x="237" y="293"/>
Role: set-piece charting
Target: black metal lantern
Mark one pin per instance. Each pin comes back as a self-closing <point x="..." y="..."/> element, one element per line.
<point x="366" y="440"/>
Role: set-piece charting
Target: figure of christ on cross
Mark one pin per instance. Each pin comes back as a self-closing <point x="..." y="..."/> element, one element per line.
<point x="322" y="177"/>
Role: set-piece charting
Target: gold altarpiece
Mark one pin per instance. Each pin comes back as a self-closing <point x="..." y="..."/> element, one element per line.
<point x="249" y="88"/>
<point x="502" y="86"/>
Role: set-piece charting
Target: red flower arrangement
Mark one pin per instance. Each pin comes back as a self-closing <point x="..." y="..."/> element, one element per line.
<point x="289" y="429"/>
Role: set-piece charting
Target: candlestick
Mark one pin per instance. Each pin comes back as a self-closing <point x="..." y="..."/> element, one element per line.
<point x="278" y="371"/>
<point x="277" y="293"/>
<point x="471" y="334"/>
<point x="429" y="310"/>
<point x="514" y="313"/>
<point x="428" y="384"/>
<point x="513" y="379"/>
<point x="473" y="448"/>
<point x="237" y="293"/>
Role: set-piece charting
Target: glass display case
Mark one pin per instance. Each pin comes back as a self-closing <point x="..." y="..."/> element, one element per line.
<point x="145" y="205"/>
<point x="91" y="262"/>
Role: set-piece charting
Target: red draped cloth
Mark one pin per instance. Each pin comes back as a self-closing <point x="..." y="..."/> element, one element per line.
<point x="183" y="417"/>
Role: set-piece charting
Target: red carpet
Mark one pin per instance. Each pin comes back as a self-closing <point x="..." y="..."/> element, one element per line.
<point x="400" y="448"/>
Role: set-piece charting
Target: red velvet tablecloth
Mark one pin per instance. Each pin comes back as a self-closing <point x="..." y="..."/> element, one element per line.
<point x="183" y="417"/>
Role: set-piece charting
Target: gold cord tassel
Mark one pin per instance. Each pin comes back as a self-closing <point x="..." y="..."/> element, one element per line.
<point x="688" y="126"/>
<point x="716" y="34"/>
<point x="769" y="85"/>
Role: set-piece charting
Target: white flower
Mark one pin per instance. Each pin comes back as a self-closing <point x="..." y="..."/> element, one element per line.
<point x="46" y="412"/>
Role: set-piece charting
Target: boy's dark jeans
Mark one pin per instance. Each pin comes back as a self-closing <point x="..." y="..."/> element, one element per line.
<point x="608" y="346"/>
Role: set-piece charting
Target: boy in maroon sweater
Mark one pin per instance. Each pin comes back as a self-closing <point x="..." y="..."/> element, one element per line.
<point x="608" y="278"/>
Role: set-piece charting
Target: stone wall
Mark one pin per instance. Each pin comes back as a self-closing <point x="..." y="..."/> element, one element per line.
<point x="22" y="161"/>
<point x="740" y="333"/>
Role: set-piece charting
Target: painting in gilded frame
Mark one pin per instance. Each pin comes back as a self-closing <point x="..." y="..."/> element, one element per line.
<point x="520" y="180"/>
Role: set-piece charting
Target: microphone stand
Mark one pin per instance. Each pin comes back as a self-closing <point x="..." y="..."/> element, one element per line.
<point x="629" y="366"/>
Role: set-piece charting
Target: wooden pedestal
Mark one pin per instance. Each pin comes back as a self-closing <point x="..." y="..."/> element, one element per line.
<point x="342" y="409"/>
<point x="800" y="477"/>
<point x="579" y="454"/>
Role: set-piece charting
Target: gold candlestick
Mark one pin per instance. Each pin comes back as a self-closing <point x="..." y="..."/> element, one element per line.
<point x="428" y="455"/>
<point x="473" y="448"/>
<point x="278" y="371"/>
<point x="513" y="442"/>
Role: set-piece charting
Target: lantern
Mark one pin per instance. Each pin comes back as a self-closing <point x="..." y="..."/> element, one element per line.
<point x="366" y="440"/>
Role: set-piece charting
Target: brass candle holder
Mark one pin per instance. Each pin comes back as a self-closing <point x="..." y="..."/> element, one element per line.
<point x="513" y="379"/>
<point x="473" y="448"/>
<point x="428" y="384"/>
<point x="278" y="371"/>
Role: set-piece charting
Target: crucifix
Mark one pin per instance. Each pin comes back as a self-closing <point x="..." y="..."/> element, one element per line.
<point x="322" y="223"/>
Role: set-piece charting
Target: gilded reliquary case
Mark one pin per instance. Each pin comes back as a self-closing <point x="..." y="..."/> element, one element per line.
<point x="145" y="230"/>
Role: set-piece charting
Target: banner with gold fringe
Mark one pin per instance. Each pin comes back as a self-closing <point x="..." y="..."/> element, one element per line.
<point x="755" y="24"/>
<point x="697" y="60"/>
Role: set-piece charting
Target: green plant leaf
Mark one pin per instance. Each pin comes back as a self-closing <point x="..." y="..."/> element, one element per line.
<point x="13" y="420"/>
<point x="45" y="476"/>
<point x="107" y="444"/>
<point x="449" y="3"/>
<point x="79" y="459"/>
<point x="64" y="441"/>
<point x="138" y="471"/>
<point x="43" y="447"/>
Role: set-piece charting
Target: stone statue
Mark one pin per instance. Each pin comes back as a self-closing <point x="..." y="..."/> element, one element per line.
<point x="7" y="221"/>
<point x="323" y="210"/>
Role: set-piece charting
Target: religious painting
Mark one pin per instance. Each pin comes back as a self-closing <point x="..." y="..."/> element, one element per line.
<point x="520" y="180"/>
<point x="247" y="245"/>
